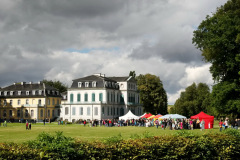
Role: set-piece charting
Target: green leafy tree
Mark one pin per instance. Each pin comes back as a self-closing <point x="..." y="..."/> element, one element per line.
<point x="152" y="94"/>
<point x="56" y="84"/>
<point x="218" y="37"/>
<point x="193" y="100"/>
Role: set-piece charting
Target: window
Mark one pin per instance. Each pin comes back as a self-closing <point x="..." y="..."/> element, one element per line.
<point x="102" y="110"/>
<point x="53" y="92"/>
<point x="96" y="111"/>
<point x="71" y="98"/>
<point x="111" y="111"/>
<point x="114" y="111"/>
<point x="5" y="93"/>
<point x="93" y="97"/>
<point x="40" y="92"/>
<point x="18" y="113"/>
<point x="49" y="113"/>
<point x="100" y="97"/>
<point x="10" y="113"/>
<point x="11" y="93"/>
<point x="5" y="102"/>
<point x="81" y="110"/>
<point x="88" y="111"/>
<point x="74" y="111"/>
<point x="53" y="113"/>
<point x="48" y="101"/>
<point x="33" y="92"/>
<point x="41" y="113"/>
<point x="58" y="102"/>
<point x="26" y="113"/>
<point x="79" y="97"/>
<point x="27" y="101"/>
<point x="32" y="113"/>
<point x="39" y="102"/>
<point x="66" y="111"/>
<point x="86" y="97"/>
<point x="4" y="113"/>
<point x="117" y="111"/>
<point x="27" y="93"/>
<point x="86" y="84"/>
<point x="94" y="84"/>
<point x="19" y="93"/>
<point x="121" y="112"/>
<point x="10" y="102"/>
<point x="108" y="96"/>
<point x="79" y="84"/>
<point x="48" y="91"/>
<point x="53" y="102"/>
<point x="19" y="102"/>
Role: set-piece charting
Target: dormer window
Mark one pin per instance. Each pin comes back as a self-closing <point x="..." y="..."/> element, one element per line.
<point x="5" y="93"/>
<point x="109" y="84"/>
<point x="40" y="92"/>
<point x="94" y="84"/>
<point x="33" y="92"/>
<point x="57" y="92"/>
<point x="113" y="84"/>
<point x="86" y="84"/>
<point x="19" y="93"/>
<point x="106" y="84"/>
<point x="0" y="93"/>
<point x="53" y="92"/>
<point x="48" y="92"/>
<point x="79" y="84"/>
<point x="27" y="92"/>
<point x="11" y="93"/>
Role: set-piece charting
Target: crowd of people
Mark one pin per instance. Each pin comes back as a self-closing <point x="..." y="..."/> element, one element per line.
<point x="172" y="124"/>
<point x="224" y="124"/>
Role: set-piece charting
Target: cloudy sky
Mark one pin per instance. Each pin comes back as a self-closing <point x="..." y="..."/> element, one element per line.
<point x="68" y="39"/>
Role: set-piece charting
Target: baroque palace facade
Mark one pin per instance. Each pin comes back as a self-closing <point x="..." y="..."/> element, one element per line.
<point x="99" y="97"/>
<point x="29" y="101"/>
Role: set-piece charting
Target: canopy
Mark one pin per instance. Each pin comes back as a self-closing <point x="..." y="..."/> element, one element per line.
<point x="209" y="120"/>
<point x="151" y="117"/>
<point x="157" y="116"/>
<point x="147" y="115"/>
<point x="173" y="116"/>
<point x="129" y="115"/>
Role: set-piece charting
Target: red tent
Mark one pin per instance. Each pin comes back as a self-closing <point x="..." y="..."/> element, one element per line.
<point x="209" y="120"/>
<point x="147" y="115"/>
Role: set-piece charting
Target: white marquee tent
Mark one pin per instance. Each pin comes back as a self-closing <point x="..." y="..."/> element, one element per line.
<point x="173" y="116"/>
<point x="129" y="115"/>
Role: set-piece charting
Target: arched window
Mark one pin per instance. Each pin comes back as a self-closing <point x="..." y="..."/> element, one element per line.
<point x="71" y="98"/>
<point x="86" y="97"/>
<point x="93" y="97"/>
<point x="79" y="97"/>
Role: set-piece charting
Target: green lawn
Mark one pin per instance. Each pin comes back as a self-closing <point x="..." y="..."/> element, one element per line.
<point x="16" y="132"/>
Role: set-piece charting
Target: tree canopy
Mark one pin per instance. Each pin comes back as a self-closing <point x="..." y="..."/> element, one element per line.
<point x="218" y="37"/>
<point x="56" y="84"/>
<point x="152" y="94"/>
<point x="193" y="100"/>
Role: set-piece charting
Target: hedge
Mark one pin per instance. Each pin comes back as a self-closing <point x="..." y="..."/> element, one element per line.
<point x="182" y="145"/>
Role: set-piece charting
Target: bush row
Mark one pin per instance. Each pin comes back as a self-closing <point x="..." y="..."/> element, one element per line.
<point x="182" y="145"/>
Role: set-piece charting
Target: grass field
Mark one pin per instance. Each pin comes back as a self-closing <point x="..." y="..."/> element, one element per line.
<point x="16" y="132"/>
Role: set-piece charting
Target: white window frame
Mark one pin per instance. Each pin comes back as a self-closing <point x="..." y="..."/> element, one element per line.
<point x="11" y="93"/>
<point x="94" y="84"/>
<point x="27" y="93"/>
<point x="86" y="84"/>
<point x="40" y="92"/>
<point x="33" y="92"/>
<point x="79" y="84"/>
<point x="5" y="93"/>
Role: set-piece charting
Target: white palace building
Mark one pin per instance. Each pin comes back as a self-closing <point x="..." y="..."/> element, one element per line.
<point x="99" y="97"/>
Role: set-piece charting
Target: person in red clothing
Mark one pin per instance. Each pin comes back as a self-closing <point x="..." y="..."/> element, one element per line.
<point x="220" y="125"/>
<point x="26" y="125"/>
<point x="110" y="123"/>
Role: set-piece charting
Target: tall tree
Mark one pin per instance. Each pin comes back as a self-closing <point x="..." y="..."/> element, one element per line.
<point x="218" y="37"/>
<point x="193" y="100"/>
<point x="56" y="84"/>
<point x="152" y="94"/>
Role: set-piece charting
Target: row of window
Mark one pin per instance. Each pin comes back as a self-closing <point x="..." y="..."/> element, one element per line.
<point x="27" y="102"/>
<point x="87" y="84"/>
<point x="33" y="92"/>
<point x="109" y="111"/>
<point x="26" y="114"/>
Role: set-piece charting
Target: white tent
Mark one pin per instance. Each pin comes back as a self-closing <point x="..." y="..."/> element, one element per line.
<point x="173" y="116"/>
<point x="129" y="115"/>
